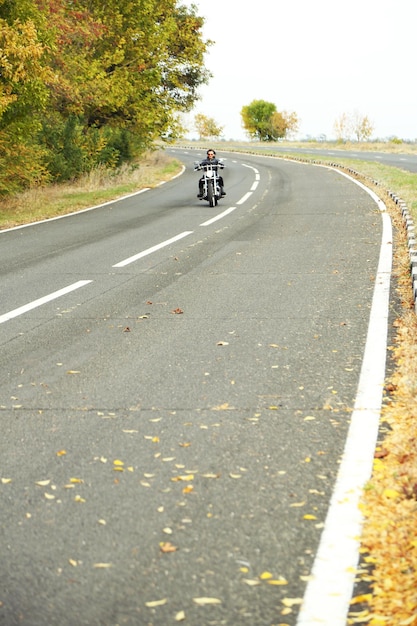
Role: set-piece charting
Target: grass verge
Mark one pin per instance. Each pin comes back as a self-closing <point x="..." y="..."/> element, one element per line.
<point x="97" y="187"/>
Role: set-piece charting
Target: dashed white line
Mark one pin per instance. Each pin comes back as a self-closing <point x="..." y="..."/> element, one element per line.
<point x="219" y="216"/>
<point x="244" y="198"/>
<point x="36" y="303"/>
<point x="140" y="255"/>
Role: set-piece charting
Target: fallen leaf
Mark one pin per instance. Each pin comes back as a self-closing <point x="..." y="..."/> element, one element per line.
<point x="290" y="602"/>
<point x="73" y="372"/>
<point x="102" y="565"/>
<point x="265" y="575"/>
<point x="167" y="531"/>
<point x="252" y="582"/>
<point x="180" y="616"/>
<point x="42" y="483"/>
<point x="277" y="581"/>
<point x="177" y="311"/>
<point x="364" y="597"/>
<point x="155" y="603"/>
<point x="184" y="477"/>
<point x="308" y="516"/>
<point x="166" y="547"/>
<point x="61" y="453"/>
<point x="222" y="343"/>
<point x="391" y="493"/>
<point x="188" y="489"/>
<point x="6" y="481"/>
<point x="73" y="562"/>
<point x="49" y="496"/>
<point x="205" y="601"/>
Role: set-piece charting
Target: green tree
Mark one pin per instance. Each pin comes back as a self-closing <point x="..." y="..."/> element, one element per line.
<point x="23" y="95"/>
<point x="207" y="127"/>
<point x="263" y="122"/>
<point x="85" y="82"/>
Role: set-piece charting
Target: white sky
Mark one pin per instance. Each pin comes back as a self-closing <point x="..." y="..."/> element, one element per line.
<point x="319" y="58"/>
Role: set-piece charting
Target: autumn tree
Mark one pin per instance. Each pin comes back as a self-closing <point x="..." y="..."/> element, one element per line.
<point x="96" y="82"/>
<point x="263" y="122"/>
<point x="23" y="94"/>
<point x="207" y="127"/>
<point x="353" y="125"/>
<point x="362" y="126"/>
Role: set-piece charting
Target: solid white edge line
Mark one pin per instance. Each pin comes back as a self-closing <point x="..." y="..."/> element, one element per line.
<point x="329" y="592"/>
<point x="158" y="246"/>
<point x="36" y="303"/>
<point x="219" y="216"/>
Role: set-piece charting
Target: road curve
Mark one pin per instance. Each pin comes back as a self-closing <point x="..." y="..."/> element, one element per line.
<point x="176" y="389"/>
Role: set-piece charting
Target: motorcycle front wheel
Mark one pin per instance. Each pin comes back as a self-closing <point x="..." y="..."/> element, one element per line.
<point x="211" y="196"/>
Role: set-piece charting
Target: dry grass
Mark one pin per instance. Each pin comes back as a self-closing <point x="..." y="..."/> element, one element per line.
<point x="389" y="503"/>
<point x="98" y="186"/>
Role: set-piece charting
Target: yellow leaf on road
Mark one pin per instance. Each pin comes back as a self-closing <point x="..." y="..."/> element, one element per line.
<point x="277" y="581"/>
<point x="155" y="603"/>
<point x="204" y="601"/>
<point x="290" y="602"/>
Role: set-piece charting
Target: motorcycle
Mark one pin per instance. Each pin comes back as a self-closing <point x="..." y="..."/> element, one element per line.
<point x="212" y="191"/>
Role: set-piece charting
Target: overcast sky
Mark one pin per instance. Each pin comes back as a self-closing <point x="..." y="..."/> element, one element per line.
<point x="319" y="58"/>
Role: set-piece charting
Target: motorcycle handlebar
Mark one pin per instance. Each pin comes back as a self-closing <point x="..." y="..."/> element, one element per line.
<point x="206" y="166"/>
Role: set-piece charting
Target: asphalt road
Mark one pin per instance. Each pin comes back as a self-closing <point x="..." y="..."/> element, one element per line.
<point x="404" y="160"/>
<point x="175" y="394"/>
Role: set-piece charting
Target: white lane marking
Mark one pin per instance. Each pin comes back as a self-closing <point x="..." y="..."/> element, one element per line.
<point x="254" y="186"/>
<point x="219" y="216"/>
<point x="36" y="303"/>
<point x="135" y="257"/>
<point x="328" y="594"/>
<point x="244" y="198"/>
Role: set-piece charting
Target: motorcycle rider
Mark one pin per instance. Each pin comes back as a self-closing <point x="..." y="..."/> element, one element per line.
<point x="210" y="160"/>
